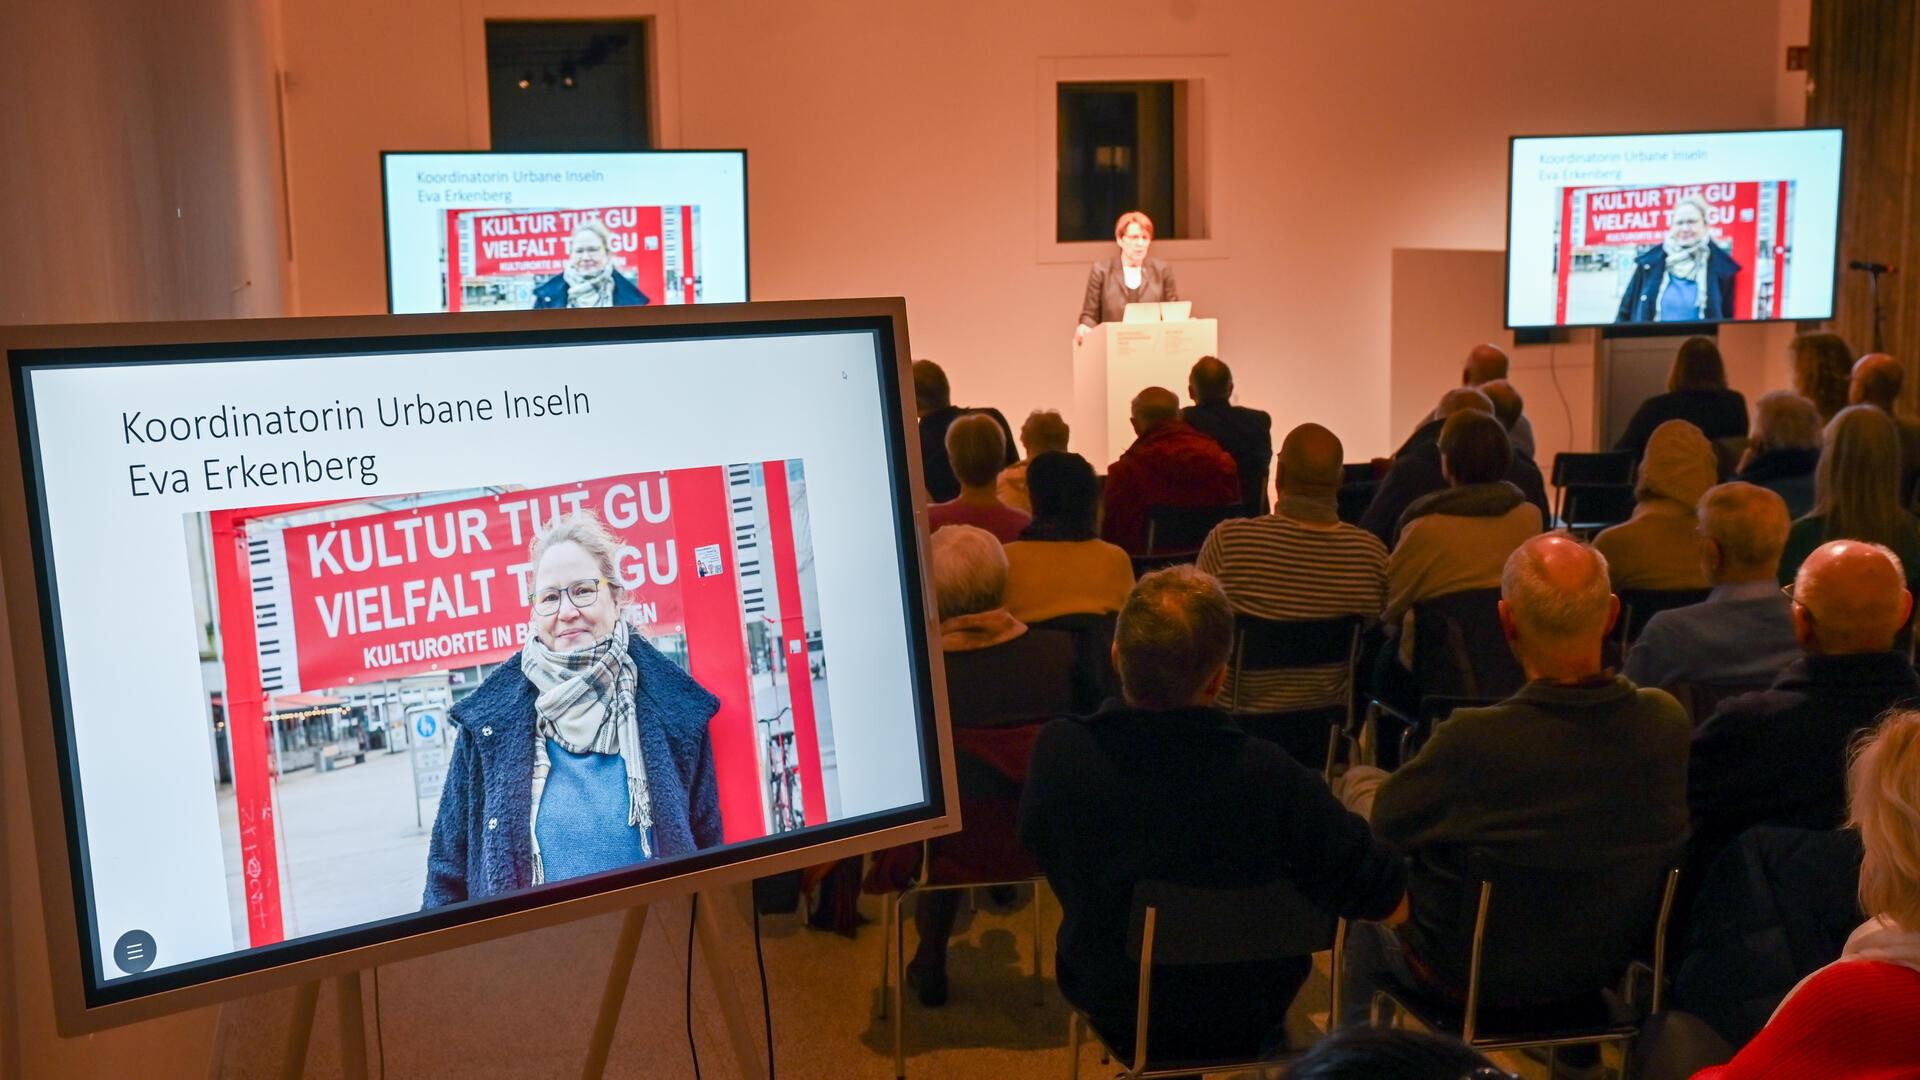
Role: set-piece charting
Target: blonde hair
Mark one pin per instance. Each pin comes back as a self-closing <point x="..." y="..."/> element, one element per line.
<point x="976" y="448"/>
<point x="583" y="527"/>
<point x="1823" y="371"/>
<point x="1857" y="485"/>
<point x="597" y="228"/>
<point x="1884" y="794"/>
<point x="1133" y="217"/>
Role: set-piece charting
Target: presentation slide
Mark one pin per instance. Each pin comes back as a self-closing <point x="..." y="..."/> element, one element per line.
<point x="354" y="637"/>
<point x="494" y="231"/>
<point x="1682" y="228"/>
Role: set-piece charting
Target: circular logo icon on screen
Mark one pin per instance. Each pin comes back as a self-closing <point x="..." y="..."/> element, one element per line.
<point x="426" y="724"/>
<point x="134" y="951"/>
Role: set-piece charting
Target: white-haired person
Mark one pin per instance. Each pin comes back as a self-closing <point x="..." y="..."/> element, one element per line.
<point x="1000" y="673"/>
<point x="590" y="278"/>
<point x="1045" y="431"/>
<point x="1784" y="450"/>
<point x="585" y="752"/>
<point x="1857" y="1016"/>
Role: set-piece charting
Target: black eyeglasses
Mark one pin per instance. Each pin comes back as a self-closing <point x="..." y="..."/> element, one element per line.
<point x="581" y="594"/>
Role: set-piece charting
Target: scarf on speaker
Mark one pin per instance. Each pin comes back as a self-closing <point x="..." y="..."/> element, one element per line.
<point x="590" y="290"/>
<point x="585" y="703"/>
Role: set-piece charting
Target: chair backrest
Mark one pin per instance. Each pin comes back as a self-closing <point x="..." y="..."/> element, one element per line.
<point x="1638" y="606"/>
<point x="1459" y="649"/>
<point x="1225" y="926"/>
<point x="1358" y="472"/>
<point x="1592" y="507"/>
<point x="1572" y="468"/>
<point x="1094" y="679"/>
<point x="1277" y="644"/>
<point x="1147" y="564"/>
<point x="1554" y="933"/>
<point x="1185" y="528"/>
<point x="1353" y="498"/>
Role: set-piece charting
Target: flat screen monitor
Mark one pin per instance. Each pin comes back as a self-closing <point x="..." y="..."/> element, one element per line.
<point x="388" y="634"/>
<point x="523" y="231"/>
<point x="1688" y="228"/>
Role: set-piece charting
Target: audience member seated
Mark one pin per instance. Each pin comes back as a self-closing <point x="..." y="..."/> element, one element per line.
<point x="1245" y="434"/>
<point x="1170" y="464"/>
<point x="1856" y="493"/>
<point x="976" y="449"/>
<point x="1822" y="371"/>
<point x="933" y="400"/>
<point x="1300" y="562"/>
<point x="1485" y="364"/>
<point x="1510" y="409"/>
<point x="1876" y="382"/>
<point x="1416" y="473"/>
<point x="1457" y="538"/>
<point x="1742" y="634"/>
<point x="1785" y="449"/>
<point x="1580" y="767"/>
<point x="1059" y="565"/>
<point x="999" y="673"/>
<point x="1855" y="1017"/>
<point x="1391" y="1054"/>
<point x="1778" y="757"/>
<point x="1696" y="392"/>
<point x="1656" y="548"/>
<point x="1045" y="431"/>
<point x="1167" y="788"/>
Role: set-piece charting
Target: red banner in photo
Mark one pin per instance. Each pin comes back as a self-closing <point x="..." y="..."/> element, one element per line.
<point x="653" y="246"/>
<point x="444" y="586"/>
<point x="1746" y="218"/>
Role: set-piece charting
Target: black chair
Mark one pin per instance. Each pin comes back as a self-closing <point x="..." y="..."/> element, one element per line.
<point x="1147" y="564"/>
<point x="1185" y="528"/>
<point x="1175" y="926"/>
<point x="1311" y="736"/>
<point x="1433" y="710"/>
<point x="1637" y="606"/>
<point x="1094" y="679"/>
<point x="1351" y="501"/>
<point x="1565" y="935"/>
<point x="1460" y="653"/>
<point x="1593" y="490"/>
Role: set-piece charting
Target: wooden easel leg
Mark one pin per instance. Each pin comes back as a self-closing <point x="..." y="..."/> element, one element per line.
<point x="743" y="1036"/>
<point x="300" y="1030"/>
<point x="353" y="1026"/>
<point x="615" y="995"/>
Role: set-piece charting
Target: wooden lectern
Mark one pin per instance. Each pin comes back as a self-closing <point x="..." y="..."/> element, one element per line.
<point x="1118" y="360"/>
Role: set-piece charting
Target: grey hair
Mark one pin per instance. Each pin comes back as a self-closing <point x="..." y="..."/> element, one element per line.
<point x="1784" y="420"/>
<point x="582" y="527"/>
<point x="1172" y="636"/>
<point x="1544" y="608"/>
<point x="969" y="570"/>
<point x="1748" y="522"/>
<point x="1044" y="430"/>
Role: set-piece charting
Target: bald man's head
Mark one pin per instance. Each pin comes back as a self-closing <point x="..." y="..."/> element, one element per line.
<point x="1463" y="399"/>
<point x="1506" y="402"/>
<point x="1485" y="363"/>
<point x="1310" y="462"/>
<point x="1210" y="382"/>
<point x="1153" y="407"/>
<point x="1850" y="597"/>
<point x="1557" y="604"/>
<point x="1876" y="381"/>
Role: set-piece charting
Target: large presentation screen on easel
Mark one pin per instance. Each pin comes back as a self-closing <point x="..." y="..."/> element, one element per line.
<point x="350" y="638"/>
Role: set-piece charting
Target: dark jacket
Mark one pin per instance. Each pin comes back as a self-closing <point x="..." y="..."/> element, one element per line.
<point x="1247" y="436"/>
<point x="1107" y="299"/>
<point x="552" y="293"/>
<point x="1184" y="795"/>
<point x="1719" y="414"/>
<point x="1555" y="775"/>
<point x="1788" y="473"/>
<point x="1171" y="465"/>
<point x="1416" y="473"/>
<point x="482" y="843"/>
<point x="1779" y="756"/>
<point x="942" y="485"/>
<point x="1776" y="906"/>
<point x="1641" y="301"/>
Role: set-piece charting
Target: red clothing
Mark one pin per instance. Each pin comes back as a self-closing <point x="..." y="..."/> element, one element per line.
<point x="1003" y="521"/>
<point x="1858" y="1019"/>
<point x="1172" y="465"/>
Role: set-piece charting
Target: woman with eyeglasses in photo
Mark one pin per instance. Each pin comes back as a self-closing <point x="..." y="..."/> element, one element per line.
<point x="585" y="752"/>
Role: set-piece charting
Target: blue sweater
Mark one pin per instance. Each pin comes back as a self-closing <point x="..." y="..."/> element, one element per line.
<point x="583" y="816"/>
<point x="482" y="843"/>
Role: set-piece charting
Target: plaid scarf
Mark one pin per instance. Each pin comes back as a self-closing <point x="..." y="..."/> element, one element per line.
<point x="585" y="704"/>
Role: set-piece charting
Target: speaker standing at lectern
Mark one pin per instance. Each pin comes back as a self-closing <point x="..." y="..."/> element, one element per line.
<point x="1127" y="278"/>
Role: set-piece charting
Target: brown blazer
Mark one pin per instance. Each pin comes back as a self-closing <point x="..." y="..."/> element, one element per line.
<point x="1106" y="302"/>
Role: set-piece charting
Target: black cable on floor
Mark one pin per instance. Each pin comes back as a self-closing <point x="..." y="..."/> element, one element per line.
<point x="693" y="915"/>
<point x="379" y="1029"/>
<point x="766" y="1003"/>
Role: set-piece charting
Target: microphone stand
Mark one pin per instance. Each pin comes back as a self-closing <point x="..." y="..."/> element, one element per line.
<point x="1873" y="271"/>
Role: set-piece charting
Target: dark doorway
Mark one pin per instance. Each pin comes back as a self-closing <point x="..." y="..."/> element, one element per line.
<point x="569" y="86"/>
